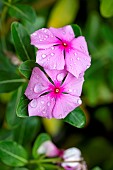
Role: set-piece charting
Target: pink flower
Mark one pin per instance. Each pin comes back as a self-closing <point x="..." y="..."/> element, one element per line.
<point x="58" y="48"/>
<point x="73" y="160"/>
<point x="55" y="98"/>
<point x="49" y="149"/>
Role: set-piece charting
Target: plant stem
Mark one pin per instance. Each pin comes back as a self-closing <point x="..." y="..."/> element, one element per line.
<point x="50" y="160"/>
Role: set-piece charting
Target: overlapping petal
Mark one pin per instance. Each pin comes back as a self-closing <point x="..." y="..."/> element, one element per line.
<point x="43" y="38"/>
<point x="64" y="33"/>
<point x="51" y="58"/>
<point x="37" y="85"/>
<point x="42" y="106"/>
<point x="78" y="59"/>
<point x="73" y="85"/>
<point x="64" y="105"/>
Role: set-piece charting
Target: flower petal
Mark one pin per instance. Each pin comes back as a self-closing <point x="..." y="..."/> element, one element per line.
<point x="56" y="75"/>
<point x="43" y="38"/>
<point x="43" y="106"/>
<point x="64" y="33"/>
<point x="51" y="58"/>
<point x="73" y="85"/>
<point x="49" y="149"/>
<point x="64" y="105"/>
<point x="37" y="85"/>
<point x="78" y="59"/>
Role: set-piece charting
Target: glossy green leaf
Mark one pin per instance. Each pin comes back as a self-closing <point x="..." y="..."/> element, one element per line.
<point x="26" y="68"/>
<point x="96" y="168"/>
<point x="76" y="118"/>
<point x="22" y="134"/>
<point x="106" y="8"/>
<point x="20" y="169"/>
<point x="23" y="12"/>
<point x="64" y="12"/>
<point x="11" y="117"/>
<point x="77" y="30"/>
<point x="40" y="139"/>
<point x="22" y="42"/>
<point x="22" y="106"/>
<point x="13" y="154"/>
<point x="9" y="81"/>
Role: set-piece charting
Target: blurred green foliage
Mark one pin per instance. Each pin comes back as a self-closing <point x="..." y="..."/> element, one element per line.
<point x="95" y="19"/>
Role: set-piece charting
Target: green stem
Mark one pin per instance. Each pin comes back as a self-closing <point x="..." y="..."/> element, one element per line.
<point x="50" y="160"/>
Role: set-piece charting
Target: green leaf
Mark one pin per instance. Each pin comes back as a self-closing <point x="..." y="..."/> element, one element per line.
<point x="26" y="68"/>
<point x="22" y="42"/>
<point x="76" y="118"/>
<point x="23" y="12"/>
<point x="64" y="12"/>
<point x="22" y="134"/>
<point x="96" y="168"/>
<point x="9" y="81"/>
<point x="13" y="154"/>
<point x="40" y="139"/>
<point x="20" y="169"/>
<point x="106" y="8"/>
<point x="22" y="106"/>
<point x="77" y="30"/>
<point x="11" y="117"/>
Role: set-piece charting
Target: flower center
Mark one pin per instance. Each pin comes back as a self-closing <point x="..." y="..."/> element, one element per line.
<point x="57" y="90"/>
<point x="64" y="44"/>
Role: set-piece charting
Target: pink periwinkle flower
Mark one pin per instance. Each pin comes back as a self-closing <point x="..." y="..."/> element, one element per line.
<point x="59" y="48"/>
<point x="73" y="160"/>
<point x="55" y="98"/>
<point x="49" y="149"/>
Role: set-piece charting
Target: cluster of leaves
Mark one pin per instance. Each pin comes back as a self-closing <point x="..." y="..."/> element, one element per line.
<point x="18" y="19"/>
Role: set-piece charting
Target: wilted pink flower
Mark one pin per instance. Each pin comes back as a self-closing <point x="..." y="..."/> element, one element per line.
<point x="58" y="48"/>
<point x="55" y="98"/>
<point x="73" y="160"/>
<point x="49" y="149"/>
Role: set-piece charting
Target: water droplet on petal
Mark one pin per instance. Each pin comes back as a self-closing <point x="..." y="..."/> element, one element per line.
<point x="37" y="88"/>
<point x="64" y="32"/>
<point x="42" y="102"/>
<point x="52" y="54"/>
<point x="60" y="76"/>
<point x="79" y="101"/>
<point x="82" y="47"/>
<point x="54" y="67"/>
<point x="46" y="36"/>
<point x="33" y="103"/>
<point x="70" y="90"/>
<point x="40" y="39"/>
<point x="78" y="58"/>
<point x="75" y="54"/>
<point x="43" y="55"/>
<point x="48" y="103"/>
<point x="87" y="66"/>
<point x="52" y="48"/>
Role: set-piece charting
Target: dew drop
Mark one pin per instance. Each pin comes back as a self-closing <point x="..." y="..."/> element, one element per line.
<point x="52" y="54"/>
<point x="33" y="103"/>
<point x="64" y="32"/>
<point x="37" y="88"/>
<point x="60" y="76"/>
<point x="48" y="103"/>
<point x="52" y="48"/>
<point x="82" y="47"/>
<point x="71" y="59"/>
<point x="46" y="36"/>
<point x="87" y="66"/>
<point x="78" y="58"/>
<point x="43" y="55"/>
<point x="54" y="67"/>
<point x="42" y="102"/>
<point x="44" y="112"/>
<point x="79" y="101"/>
<point x="40" y="39"/>
<point x="75" y="54"/>
<point x="70" y="90"/>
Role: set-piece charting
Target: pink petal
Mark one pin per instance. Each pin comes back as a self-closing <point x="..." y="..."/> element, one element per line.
<point x="49" y="149"/>
<point x="73" y="85"/>
<point x="42" y="106"/>
<point x="37" y="85"/>
<point x="51" y="58"/>
<point x="64" y="105"/>
<point x="56" y="75"/>
<point x="43" y="38"/>
<point x="78" y="59"/>
<point x="64" y="33"/>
